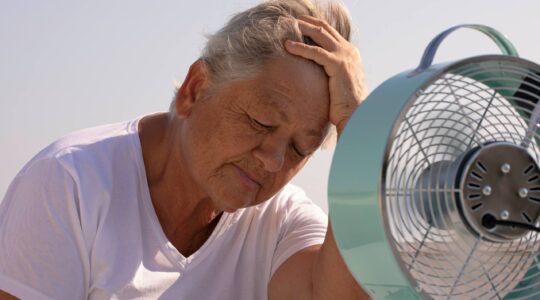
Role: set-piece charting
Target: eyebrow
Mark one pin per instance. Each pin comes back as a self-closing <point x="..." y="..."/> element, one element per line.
<point x="269" y="98"/>
<point x="278" y="107"/>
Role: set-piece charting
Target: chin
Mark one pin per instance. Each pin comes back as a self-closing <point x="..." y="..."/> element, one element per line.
<point x="230" y="208"/>
<point x="231" y="202"/>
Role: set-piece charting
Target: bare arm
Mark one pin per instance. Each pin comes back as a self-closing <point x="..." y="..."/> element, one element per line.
<point x="315" y="273"/>
<point x="331" y="277"/>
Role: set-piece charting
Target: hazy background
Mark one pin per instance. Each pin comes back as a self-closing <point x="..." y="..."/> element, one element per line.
<point x="66" y="65"/>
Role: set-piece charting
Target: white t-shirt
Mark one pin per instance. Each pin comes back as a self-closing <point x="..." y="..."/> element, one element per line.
<point x="78" y="223"/>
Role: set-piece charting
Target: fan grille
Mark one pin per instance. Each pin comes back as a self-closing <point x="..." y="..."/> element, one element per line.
<point x="465" y="108"/>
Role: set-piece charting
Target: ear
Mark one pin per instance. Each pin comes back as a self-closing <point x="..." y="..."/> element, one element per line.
<point x="192" y="89"/>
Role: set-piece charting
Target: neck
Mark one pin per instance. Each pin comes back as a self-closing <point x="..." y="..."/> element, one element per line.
<point x="184" y="212"/>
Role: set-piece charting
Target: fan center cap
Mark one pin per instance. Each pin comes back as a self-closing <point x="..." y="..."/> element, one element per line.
<point x="501" y="180"/>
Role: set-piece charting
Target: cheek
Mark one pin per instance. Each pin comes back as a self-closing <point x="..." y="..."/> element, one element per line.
<point x="235" y="138"/>
<point x="214" y="140"/>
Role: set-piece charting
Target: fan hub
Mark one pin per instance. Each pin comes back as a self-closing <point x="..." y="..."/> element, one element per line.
<point x="499" y="179"/>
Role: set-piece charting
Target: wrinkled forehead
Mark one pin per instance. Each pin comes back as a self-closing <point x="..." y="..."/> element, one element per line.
<point x="296" y="78"/>
<point x="296" y="88"/>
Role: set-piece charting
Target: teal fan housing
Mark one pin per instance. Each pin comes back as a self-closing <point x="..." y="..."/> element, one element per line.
<point x="434" y="191"/>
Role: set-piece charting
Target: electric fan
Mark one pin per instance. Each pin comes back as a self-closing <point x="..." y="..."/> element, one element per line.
<point x="434" y="190"/>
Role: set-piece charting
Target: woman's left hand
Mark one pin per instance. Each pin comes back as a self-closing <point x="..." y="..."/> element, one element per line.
<point x="342" y="63"/>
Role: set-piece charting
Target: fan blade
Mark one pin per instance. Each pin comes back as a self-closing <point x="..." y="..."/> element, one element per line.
<point x="529" y="91"/>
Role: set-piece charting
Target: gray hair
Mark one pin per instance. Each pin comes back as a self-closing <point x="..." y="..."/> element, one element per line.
<point x="253" y="37"/>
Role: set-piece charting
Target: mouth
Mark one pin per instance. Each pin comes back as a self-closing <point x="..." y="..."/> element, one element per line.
<point x="248" y="178"/>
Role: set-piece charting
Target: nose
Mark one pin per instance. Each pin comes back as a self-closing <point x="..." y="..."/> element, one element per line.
<point x="271" y="152"/>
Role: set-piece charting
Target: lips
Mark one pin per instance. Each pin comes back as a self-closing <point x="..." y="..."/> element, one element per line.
<point x="248" y="175"/>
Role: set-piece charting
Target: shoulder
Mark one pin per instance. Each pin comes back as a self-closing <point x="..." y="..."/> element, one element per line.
<point x="59" y="170"/>
<point x="292" y="214"/>
<point x="88" y="147"/>
<point x="287" y="210"/>
<point x="89" y="138"/>
<point x="79" y="170"/>
<point x="287" y="198"/>
<point x="292" y="200"/>
<point x="291" y="191"/>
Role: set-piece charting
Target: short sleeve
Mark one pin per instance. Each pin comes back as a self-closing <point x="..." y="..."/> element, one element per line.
<point x="42" y="250"/>
<point x="304" y="224"/>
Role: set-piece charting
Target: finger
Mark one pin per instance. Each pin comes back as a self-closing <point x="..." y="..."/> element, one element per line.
<point x="319" y="35"/>
<point x="323" y="24"/>
<point x="314" y="53"/>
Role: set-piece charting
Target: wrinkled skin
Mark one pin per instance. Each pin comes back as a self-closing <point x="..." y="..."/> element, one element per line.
<point x="244" y="142"/>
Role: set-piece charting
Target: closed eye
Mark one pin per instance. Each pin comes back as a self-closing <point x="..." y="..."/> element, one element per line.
<point x="298" y="152"/>
<point x="262" y="125"/>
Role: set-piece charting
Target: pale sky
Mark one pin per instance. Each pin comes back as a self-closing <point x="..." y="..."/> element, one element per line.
<point x="67" y="65"/>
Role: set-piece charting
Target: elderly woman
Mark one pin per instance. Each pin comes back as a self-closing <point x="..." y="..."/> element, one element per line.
<point x="194" y="203"/>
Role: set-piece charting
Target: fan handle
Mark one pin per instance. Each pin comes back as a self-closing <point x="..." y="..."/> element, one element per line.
<point x="500" y="39"/>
